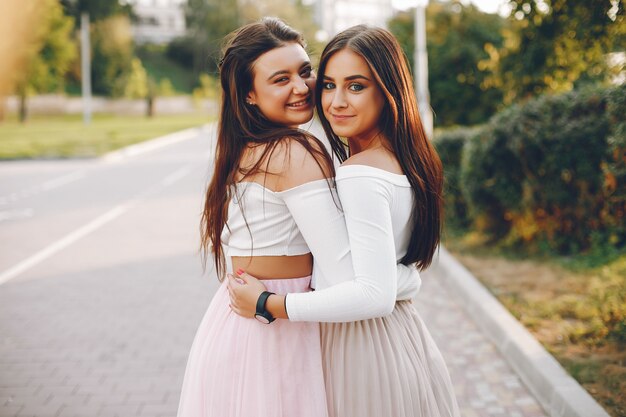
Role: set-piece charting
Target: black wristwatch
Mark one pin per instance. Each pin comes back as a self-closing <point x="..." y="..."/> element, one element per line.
<point x="262" y="314"/>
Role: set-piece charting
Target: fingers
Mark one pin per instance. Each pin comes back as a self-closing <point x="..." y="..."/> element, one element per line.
<point x="240" y="312"/>
<point x="241" y="274"/>
<point x="231" y="289"/>
<point x="233" y="281"/>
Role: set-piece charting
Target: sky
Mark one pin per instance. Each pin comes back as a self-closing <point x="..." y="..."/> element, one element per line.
<point x="489" y="6"/>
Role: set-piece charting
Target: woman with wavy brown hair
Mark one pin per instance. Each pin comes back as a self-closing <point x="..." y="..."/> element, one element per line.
<point x="271" y="193"/>
<point x="390" y="187"/>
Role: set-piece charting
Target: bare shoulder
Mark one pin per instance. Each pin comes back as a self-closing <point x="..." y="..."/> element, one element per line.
<point x="378" y="158"/>
<point x="287" y="163"/>
<point x="302" y="161"/>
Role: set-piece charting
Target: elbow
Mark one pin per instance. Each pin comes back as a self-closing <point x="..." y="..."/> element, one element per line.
<point x="385" y="306"/>
<point x="389" y="306"/>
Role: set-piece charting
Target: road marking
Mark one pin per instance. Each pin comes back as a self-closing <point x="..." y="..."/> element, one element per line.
<point x="175" y="176"/>
<point x="90" y="227"/>
<point x="63" y="180"/>
<point x="16" y="214"/>
<point x="153" y="144"/>
<point x="44" y="187"/>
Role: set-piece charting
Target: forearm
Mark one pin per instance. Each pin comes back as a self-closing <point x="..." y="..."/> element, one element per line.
<point x="276" y="306"/>
<point x="409" y="282"/>
<point x="372" y="292"/>
<point x="349" y="301"/>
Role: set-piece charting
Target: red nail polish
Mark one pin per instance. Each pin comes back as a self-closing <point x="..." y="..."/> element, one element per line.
<point x="240" y="271"/>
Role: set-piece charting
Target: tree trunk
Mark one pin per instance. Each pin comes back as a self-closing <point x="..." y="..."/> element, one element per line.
<point x="23" y="111"/>
<point x="150" y="106"/>
<point x="3" y="108"/>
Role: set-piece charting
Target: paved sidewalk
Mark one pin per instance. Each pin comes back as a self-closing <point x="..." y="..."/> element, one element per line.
<point x="485" y="384"/>
<point x="126" y="368"/>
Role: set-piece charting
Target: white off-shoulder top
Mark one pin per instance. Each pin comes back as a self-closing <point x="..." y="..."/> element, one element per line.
<point x="377" y="206"/>
<point x="260" y="224"/>
<point x="350" y="285"/>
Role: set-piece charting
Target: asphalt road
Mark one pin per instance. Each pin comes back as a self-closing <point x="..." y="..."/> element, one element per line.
<point x="102" y="286"/>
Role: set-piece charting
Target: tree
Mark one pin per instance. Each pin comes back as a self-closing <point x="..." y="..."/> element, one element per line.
<point x="555" y="45"/>
<point x="111" y="42"/>
<point x="46" y="70"/>
<point x="137" y="82"/>
<point x="22" y="35"/>
<point x="209" y="88"/>
<point x="97" y="9"/>
<point x="456" y="37"/>
<point x="294" y="13"/>
<point x="208" y="21"/>
<point x="139" y="85"/>
<point x="112" y="54"/>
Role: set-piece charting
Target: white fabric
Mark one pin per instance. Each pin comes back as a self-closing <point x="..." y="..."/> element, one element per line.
<point x="309" y="214"/>
<point x="377" y="205"/>
<point x="256" y="211"/>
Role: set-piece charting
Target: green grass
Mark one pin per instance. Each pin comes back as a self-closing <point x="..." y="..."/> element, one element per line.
<point x="67" y="137"/>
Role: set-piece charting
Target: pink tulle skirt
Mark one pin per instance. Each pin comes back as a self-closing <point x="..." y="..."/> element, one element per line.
<point x="240" y="367"/>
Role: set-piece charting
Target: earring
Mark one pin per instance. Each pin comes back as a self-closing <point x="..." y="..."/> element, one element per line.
<point x="250" y="102"/>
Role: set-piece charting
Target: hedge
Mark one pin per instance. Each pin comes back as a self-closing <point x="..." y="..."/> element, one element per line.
<point x="550" y="172"/>
<point x="449" y="145"/>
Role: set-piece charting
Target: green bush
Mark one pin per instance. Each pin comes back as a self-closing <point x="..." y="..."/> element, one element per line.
<point x="180" y="50"/>
<point x="615" y="168"/>
<point x="551" y="172"/>
<point x="450" y="145"/>
<point x="491" y="180"/>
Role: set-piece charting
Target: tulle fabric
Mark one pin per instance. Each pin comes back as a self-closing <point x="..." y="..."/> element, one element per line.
<point x="242" y="368"/>
<point x="385" y="367"/>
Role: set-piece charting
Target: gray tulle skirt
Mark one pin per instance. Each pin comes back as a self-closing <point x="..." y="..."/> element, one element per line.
<point x="385" y="367"/>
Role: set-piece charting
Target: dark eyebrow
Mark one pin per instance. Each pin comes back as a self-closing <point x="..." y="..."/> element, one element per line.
<point x="350" y="78"/>
<point x="304" y="64"/>
<point x="277" y="73"/>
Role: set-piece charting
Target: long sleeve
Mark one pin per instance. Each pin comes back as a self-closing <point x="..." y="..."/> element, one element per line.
<point x="409" y="282"/>
<point x="320" y="219"/>
<point x="372" y="288"/>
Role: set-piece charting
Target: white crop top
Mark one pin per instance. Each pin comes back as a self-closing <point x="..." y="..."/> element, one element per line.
<point x="260" y="224"/>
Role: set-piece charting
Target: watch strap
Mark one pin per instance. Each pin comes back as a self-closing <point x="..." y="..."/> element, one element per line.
<point x="260" y="306"/>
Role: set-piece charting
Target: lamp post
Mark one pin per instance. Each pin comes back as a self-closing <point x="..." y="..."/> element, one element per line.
<point x="421" y="68"/>
<point x="85" y="58"/>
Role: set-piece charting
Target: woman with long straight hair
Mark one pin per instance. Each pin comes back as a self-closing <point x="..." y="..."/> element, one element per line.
<point x="271" y="183"/>
<point x="385" y="364"/>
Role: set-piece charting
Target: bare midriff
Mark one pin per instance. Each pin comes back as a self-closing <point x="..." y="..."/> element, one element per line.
<point x="275" y="267"/>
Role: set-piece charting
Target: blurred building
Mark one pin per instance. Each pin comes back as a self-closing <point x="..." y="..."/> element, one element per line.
<point x="333" y="16"/>
<point x="158" y="21"/>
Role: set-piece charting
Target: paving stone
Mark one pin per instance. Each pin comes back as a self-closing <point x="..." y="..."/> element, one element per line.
<point x="119" y="411"/>
<point x="7" y="410"/>
<point x="477" y="369"/>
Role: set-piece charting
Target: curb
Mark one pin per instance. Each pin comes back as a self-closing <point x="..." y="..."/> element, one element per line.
<point x="153" y="144"/>
<point x="559" y="394"/>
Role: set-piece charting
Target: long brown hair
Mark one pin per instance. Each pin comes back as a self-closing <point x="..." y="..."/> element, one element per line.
<point x="401" y="125"/>
<point x="241" y="125"/>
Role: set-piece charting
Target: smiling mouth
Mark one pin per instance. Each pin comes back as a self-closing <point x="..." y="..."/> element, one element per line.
<point x="298" y="104"/>
<point x="341" y="116"/>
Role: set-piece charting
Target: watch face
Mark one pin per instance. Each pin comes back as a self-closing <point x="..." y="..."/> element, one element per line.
<point x="261" y="318"/>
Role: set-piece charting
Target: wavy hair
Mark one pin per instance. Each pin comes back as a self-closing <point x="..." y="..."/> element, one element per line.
<point x="401" y="125"/>
<point x="241" y="125"/>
